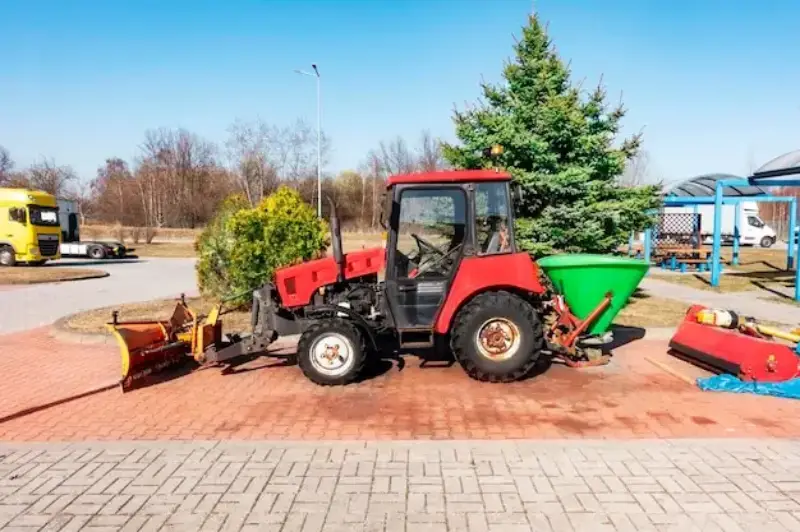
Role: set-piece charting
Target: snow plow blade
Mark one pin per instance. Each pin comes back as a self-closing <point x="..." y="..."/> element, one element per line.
<point x="150" y="347"/>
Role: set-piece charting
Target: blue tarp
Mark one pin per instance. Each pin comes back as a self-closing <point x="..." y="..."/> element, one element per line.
<point x="729" y="383"/>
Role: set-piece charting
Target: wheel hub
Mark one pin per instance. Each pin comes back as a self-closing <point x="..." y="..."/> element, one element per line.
<point x="331" y="354"/>
<point x="498" y="339"/>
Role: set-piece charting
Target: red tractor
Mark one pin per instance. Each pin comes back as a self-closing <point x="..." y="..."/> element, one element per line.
<point x="453" y="278"/>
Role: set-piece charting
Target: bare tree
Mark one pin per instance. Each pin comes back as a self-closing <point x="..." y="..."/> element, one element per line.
<point x="6" y="166"/>
<point x="429" y="156"/>
<point x="251" y="153"/>
<point x="637" y="170"/>
<point x="262" y="155"/>
<point x="46" y="175"/>
<point x="395" y="157"/>
<point x="113" y="194"/>
<point x="174" y="173"/>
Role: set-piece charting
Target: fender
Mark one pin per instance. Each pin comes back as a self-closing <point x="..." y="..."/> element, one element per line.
<point x="360" y="322"/>
<point x="514" y="271"/>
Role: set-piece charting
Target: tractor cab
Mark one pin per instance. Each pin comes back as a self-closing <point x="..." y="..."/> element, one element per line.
<point x="436" y="220"/>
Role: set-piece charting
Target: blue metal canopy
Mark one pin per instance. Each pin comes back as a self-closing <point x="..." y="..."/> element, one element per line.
<point x="781" y="166"/>
<point x="703" y="186"/>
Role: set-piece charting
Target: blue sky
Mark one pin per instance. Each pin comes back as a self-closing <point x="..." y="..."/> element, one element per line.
<point x="714" y="84"/>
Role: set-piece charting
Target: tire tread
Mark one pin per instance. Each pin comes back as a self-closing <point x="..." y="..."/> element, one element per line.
<point x="461" y="337"/>
<point x="337" y="325"/>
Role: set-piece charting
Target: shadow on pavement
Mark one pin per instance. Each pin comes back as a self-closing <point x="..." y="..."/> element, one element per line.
<point x="624" y="335"/>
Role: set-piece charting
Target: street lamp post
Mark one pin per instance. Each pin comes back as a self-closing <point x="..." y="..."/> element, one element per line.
<point x="319" y="135"/>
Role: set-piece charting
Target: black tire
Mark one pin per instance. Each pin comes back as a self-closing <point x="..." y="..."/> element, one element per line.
<point x="767" y="242"/>
<point x="7" y="256"/>
<point x="346" y="335"/>
<point x="502" y="311"/>
<point x="97" y="252"/>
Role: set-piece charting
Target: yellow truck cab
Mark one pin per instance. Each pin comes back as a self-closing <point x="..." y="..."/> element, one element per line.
<point x="29" y="228"/>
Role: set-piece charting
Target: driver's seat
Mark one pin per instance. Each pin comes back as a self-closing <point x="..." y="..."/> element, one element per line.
<point x="493" y="245"/>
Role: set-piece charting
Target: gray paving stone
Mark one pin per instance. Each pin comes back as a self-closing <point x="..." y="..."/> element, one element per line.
<point x="386" y="486"/>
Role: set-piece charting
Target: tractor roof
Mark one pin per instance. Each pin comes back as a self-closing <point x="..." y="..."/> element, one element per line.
<point x="447" y="176"/>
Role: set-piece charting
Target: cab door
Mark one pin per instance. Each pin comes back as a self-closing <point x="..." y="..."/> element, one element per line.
<point x="14" y="228"/>
<point x="429" y="234"/>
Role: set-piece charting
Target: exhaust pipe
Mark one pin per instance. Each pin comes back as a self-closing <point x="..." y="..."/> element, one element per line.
<point x="336" y="242"/>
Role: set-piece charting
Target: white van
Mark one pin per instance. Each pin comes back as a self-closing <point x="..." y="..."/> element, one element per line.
<point x="752" y="229"/>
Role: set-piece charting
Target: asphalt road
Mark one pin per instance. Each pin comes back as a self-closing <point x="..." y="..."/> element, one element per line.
<point x="132" y="280"/>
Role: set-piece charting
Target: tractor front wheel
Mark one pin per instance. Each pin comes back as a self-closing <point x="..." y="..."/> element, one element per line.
<point x="497" y="337"/>
<point x="331" y="352"/>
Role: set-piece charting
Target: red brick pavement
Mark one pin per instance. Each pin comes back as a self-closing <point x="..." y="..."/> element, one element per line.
<point x="631" y="398"/>
<point x="37" y="369"/>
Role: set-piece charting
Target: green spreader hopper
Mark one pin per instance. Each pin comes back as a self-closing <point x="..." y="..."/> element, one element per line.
<point x="584" y="280"/>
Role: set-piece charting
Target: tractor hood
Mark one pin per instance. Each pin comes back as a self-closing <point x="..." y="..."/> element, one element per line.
<point x="296" y="284"/>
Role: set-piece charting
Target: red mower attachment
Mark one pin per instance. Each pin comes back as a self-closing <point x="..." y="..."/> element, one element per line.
<point x="724" y="342"/>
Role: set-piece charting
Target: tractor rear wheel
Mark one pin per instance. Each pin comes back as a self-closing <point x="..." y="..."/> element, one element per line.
<point x="497" y="337"/>
<point x="331" y="352"/>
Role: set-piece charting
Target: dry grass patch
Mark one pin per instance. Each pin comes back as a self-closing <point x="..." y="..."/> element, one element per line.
<point x="46" y="274"/>
<point x="94" y="321"/>
<point x="733" y="281"/>
<point x="758" y="270"/>
<point x="644" y="310"/>
<point x="179" y="249"/>
<point x="163" y="249"/>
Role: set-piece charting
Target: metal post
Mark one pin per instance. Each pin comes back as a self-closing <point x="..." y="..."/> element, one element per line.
<point x="716" y="251"/>
<point x="319" y="134"/>
<point x="630" y="245"/>
<point x="648" y="235"/>
<point x="797" y="270"/>
<point x="792" y="224"/>
<point x="736" y="221"/>
<point x="319" y="144"/>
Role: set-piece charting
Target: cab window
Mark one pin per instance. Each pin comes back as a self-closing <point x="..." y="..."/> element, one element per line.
<point x="492" y="232"/>
<point x="430" y="233"/>
<point x="46" y="216"/>
<point x="17" y="214"/>
<point x="755" y="221"/>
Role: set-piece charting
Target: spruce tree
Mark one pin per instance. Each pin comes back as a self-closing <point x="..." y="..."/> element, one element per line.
<point x="561" y="147"/>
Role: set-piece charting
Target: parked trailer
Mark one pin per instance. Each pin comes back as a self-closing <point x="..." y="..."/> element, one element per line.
<point x="71" y="244"/>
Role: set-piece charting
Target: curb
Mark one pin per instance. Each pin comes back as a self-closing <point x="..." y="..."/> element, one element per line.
<point x="102" y="274"/>
<point x="60" y="331"/>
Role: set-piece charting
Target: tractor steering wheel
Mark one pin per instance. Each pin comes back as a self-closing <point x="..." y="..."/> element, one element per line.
<point x="422" y="243"/>
<point x="435" y="262"/>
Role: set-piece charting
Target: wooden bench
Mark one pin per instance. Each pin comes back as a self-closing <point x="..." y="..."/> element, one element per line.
<point x="678" y="257"/>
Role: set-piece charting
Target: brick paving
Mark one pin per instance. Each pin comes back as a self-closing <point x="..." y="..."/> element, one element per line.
<point x="38" y="369"/>
<point x="729" y="485"/>
<point x="265" y="400"/>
